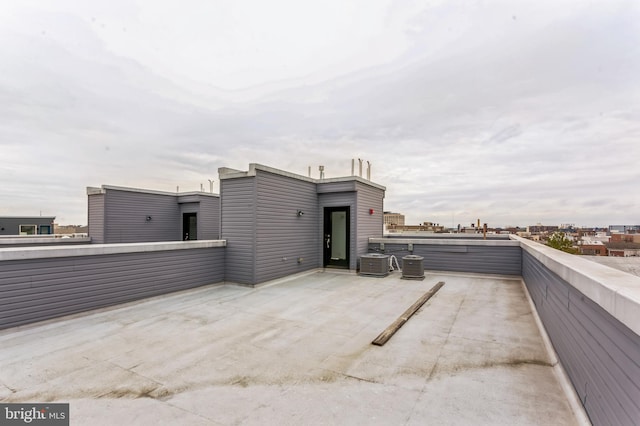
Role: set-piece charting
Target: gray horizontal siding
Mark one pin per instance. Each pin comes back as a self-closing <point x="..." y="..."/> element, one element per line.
<point x="209" y="218"/>
<point x="38" y="289"/>
<point x="506" y="260"/>
<point x="281" y="235"/>
<point x="126" y="212"/>
<point x="600" y="354"/>
<point x="368" y="225"/>
<point x="238" y="228"/>
<point x="11" y="225"/>
<point x="96" y="218"/>
<point x="328" y="187"/>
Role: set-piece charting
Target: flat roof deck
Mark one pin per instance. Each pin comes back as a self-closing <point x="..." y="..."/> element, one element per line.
<point x="297" y="351"/>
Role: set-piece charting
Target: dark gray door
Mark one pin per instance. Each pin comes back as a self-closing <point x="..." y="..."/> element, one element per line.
<point x="189" y="226"/>
<point x="336" y="237"/>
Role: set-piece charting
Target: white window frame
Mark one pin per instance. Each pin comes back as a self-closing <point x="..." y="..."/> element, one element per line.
<point x="35" y="230"/>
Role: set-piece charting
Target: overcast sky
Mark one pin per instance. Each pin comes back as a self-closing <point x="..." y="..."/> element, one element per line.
<point x="515" y="113"/>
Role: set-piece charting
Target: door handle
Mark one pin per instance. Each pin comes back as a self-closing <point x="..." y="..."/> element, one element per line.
<point x="328" y="239"/>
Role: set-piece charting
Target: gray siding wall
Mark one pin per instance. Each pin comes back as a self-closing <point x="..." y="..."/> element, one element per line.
<point x="237" y="223"/>
<point x="282" y="237"/>
<point x="485" y="259"/>
<point x="96" y="218"/>
<point x="368" y="225"/>
<point x="126" y="212"/>
<point x="346" y="186"/>
<point x="600" y="354"/>
<point x="209" y="218"/>
<point x="38" y="289"/>
<point x="339" y="199"/>
<point x="11" y="225"/>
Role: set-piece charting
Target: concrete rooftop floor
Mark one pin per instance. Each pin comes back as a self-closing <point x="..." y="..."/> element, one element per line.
<point x="296" y="351"/>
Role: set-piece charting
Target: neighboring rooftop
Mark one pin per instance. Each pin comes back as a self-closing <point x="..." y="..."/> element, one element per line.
<point x="297" y="351"/>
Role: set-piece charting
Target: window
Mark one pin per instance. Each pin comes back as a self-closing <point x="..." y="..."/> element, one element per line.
<point x="28" y="229"/>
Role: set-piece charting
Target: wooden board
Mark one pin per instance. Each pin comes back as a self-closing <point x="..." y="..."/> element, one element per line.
<point x="395" y="326"/>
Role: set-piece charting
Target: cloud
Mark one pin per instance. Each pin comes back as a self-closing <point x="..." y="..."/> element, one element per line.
<point x="462" y="110"/>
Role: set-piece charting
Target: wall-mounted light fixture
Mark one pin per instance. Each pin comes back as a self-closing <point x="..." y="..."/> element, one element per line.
<point x="371" y="211"/>
<point x="148" y="219"/>
<point x="300" y="213"/>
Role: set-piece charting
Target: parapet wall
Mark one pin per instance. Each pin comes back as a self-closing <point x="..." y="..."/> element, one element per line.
<point x="502" y="257"/>
<point x="40" y="283"/>
<point x="592" y="316"/>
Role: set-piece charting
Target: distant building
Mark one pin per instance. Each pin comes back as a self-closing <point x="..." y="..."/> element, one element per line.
<point x="625" y="238"/>
<point x="592" y="248"/>
<point x="432" y="227"/>
<point x="395" y="219"/>
<point x="624" y="229"/>
<point x="623" y="249"/>
<point x="71" y="229"/>
<point x="26" y="225"/>
<point x="624" y="245"/>
<point x="537" y="229"/>
<point x="427" y="227"/>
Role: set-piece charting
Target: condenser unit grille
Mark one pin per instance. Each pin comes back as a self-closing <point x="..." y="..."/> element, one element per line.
<point x="412" y="266"/>
<point x="375" y="264"/>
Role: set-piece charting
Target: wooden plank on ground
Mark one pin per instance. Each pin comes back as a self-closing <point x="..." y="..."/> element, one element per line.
<point x="395" y="326"/>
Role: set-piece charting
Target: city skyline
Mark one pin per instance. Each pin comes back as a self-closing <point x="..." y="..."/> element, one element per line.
<point x="516" y="114"/>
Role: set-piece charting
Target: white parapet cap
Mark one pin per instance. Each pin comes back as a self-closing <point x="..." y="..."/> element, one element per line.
<point x="617" y="292"/>
<point x="444" y="241"/>
<point x="24" y="253"/>
<point x="104" y="188"/>
<point x="227" y="173"/>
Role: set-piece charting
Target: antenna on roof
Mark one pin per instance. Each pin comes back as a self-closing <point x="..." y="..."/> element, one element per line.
<point x="321" y="168"/>
<point x="353" y="167"/>
<point x="360" y="167"/>
<point x="368" y="170"/>
<point x="309" y="171"/>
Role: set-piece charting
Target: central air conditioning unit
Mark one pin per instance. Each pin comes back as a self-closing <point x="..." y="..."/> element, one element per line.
<point x="412" y="267"/>
<point x="374" y="265"/>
